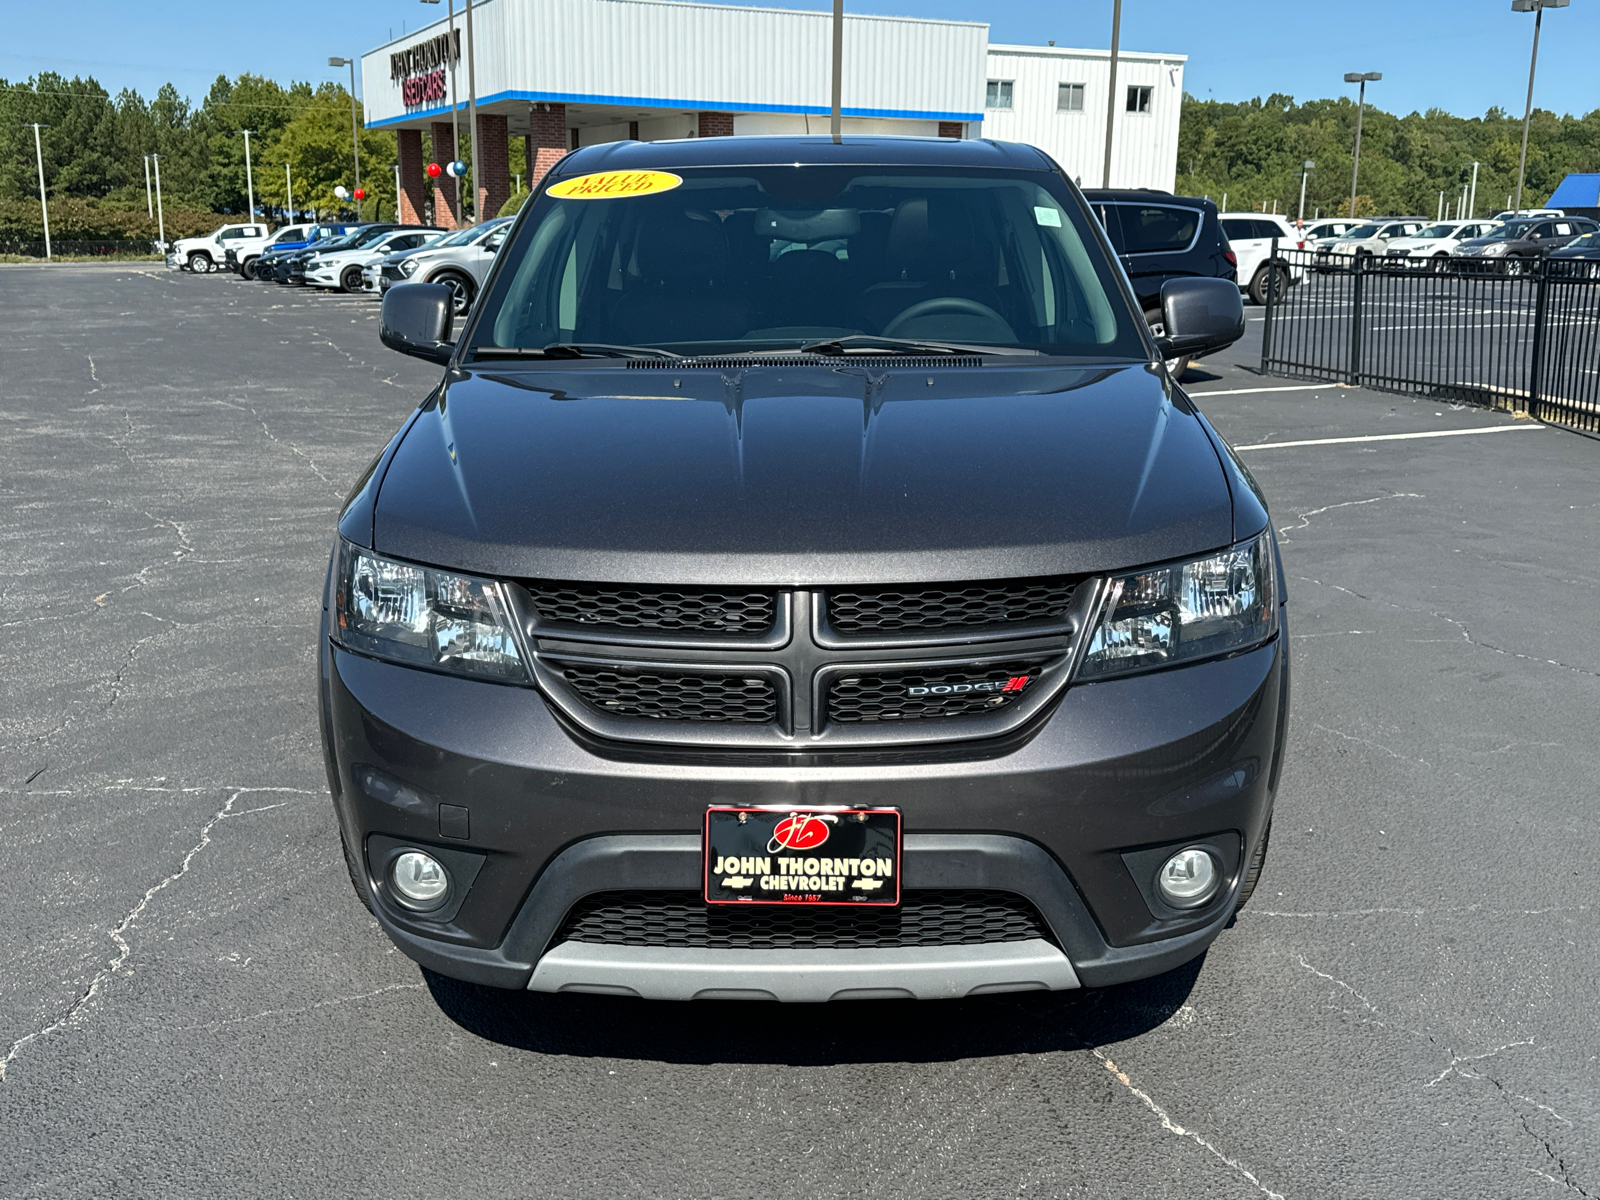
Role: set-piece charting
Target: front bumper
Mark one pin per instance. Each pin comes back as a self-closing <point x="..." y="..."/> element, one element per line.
<point x="1118" y="767"/>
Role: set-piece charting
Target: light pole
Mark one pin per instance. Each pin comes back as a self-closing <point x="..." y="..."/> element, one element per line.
<point x="1111" y="89"/>
<point x="472" y="119"/>
<point x="397" y="191"/>
<point x="249" y="179"/>
<point x="149" y="200"/>
<point x="288" y="195"/>
<point x="1363" y="78"/>
<point x="1536" y="7"/>
<point x="44" y="205"/>
<point x="161" y="220"/>
<point x="1472" y="199"/>
<point x="836" y="119"/>
<point x="355" y="139"/>
<point x="1305" y="169"/>
<point x="455" y="127"/>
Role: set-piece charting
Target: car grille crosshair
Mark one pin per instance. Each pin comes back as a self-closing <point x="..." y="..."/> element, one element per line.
<point x="666" y="695"/>
<point x="946" y="606"/>
<point x="920" y="693"/>
<point x="721" y="611"/>
<point x="955" y="917"/>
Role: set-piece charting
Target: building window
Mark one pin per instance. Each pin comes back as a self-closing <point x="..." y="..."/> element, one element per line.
<point x="1139" y="99"/>
<point x="999" y="94"/>
<point x="1069" y="97"/>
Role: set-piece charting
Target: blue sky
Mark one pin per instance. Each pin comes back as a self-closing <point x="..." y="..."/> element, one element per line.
<point x="1459" y="55"/>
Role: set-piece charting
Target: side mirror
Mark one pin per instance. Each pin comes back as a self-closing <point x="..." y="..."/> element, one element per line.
<point x="416" y="321"/>
<point x="1200" y="315"/>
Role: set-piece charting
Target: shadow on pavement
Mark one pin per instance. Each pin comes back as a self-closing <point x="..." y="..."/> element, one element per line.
<point x="867" y="1031"/>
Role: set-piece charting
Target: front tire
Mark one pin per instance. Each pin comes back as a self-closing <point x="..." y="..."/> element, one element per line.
<point x="462" y="290"/>
<point x="350" y="280"/>
<point x="1252" y="875"/>
<point x="1269" y="281"/>
<point x="248" y="268"/>
<point x="200" y="263"/>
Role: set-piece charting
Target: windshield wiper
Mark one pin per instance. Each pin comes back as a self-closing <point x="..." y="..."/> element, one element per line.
<point x="572" y="350"/>
<point x="870" y="341"/>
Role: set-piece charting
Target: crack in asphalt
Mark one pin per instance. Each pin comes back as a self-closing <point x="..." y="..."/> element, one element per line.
<point x="118" y="931"/>
<point x="1305" y="517"/>
<point x="309" y="461"/>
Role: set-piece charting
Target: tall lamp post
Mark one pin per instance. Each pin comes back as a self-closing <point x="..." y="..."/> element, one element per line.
<point x="149" y="199"/>
<point x="1111" y="88"/>
<point x="1363" y="78"/>
<point x="1472" y="199"/>
<point x="44" y="205"/>
<point x="472" y="118"/>
<point x="1536" y="7"/>
<point x="355" y="139"/>
<point x="455" y="126"/>
<point x="1305" y="169"/>
<point x="161" y="220"/>
<point x="288" y="195"/>
<point x="249" y="179"/>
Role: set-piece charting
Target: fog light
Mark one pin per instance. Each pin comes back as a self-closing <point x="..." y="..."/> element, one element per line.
<point x="1188" y="879"/>
<point x="420" y="879"/>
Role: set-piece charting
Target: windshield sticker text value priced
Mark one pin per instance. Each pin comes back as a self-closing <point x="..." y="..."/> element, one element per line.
<point x="615" y="185"/>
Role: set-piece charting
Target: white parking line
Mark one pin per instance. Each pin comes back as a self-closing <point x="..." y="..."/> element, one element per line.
<point x="1389" y="437"/>
<point x="1299" y="387"/>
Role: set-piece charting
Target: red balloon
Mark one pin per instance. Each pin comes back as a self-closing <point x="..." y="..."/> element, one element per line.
<point x="435" y="170"/>
<point x="361" y="193"/>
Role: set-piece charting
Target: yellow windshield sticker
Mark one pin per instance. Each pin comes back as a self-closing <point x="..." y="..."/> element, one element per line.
<point x="615" y="185"/>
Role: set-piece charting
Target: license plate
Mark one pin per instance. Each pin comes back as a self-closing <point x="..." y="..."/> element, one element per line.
<point x="802" y="856"/>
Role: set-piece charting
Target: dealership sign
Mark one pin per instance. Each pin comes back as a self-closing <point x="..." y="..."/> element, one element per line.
<point x="420" y="68"/>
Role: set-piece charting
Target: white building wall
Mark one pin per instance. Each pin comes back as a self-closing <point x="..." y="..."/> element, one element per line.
<point x="1145" y="146"/>
<point x="674" y="54"/>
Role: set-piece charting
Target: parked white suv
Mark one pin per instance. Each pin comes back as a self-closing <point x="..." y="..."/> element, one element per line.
<point x="460" y="261"/>
<point x="1371" y="238"/>
<point x="1438" y="240"/>
<point x="343" y="269"/>
<point x="1324" y="229"/>
<point x="203" y="254"/>
<point x="1251" y="236"/>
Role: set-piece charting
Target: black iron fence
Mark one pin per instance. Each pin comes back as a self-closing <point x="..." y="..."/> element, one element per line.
<point x="1521" y="334"/>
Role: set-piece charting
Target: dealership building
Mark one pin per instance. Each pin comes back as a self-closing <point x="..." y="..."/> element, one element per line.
<point x="567" y="73"/>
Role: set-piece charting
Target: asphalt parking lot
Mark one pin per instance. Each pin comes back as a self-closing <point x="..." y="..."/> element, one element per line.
<point x="193" y="1002"/>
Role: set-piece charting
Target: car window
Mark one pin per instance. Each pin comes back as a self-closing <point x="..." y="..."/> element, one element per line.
<point x="1361" y="233"/>
<point x="1563" y="229"/>
<point x="745" y="258"/>
<point x="1157" y="228"/>
<point x="1238" y="229"/>
<point x="1589" y="241"/>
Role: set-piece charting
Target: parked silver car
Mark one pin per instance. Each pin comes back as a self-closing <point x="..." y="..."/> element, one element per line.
<point x="460" y="261"/>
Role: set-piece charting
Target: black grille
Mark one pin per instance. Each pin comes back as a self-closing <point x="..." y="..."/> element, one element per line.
<point x="946" y="606"/>
<point x="683" y="919"/>
<point x="736" y="699"/>
<point x="726" y="611"/>
<point x="863" y="697"/>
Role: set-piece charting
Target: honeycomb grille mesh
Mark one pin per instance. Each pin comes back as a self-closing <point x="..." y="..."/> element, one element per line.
<point x="737" y="699"/>
<point x="682" y="919"/>
<point x="866" y="697"/>
<point x="724" y="611"/>
<point x="946" y="606"/>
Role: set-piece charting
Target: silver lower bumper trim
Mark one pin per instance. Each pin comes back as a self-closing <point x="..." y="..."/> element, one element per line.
<point x="899" y="973"/>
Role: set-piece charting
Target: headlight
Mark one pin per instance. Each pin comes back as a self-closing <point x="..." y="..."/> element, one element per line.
<point x="409" y="267"/>
<point x="425" y="617"/>
<point x="1495" y="249"/>
<point x="1187" y="611"/>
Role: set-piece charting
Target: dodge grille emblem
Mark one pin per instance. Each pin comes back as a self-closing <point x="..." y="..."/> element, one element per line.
<point x="1015" y="684"/>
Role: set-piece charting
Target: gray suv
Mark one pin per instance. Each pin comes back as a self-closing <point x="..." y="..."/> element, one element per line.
<point x="805" y="582"/>
<point x="460" y="261"/>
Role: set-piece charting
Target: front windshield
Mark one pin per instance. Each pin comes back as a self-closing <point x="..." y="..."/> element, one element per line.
<point x="459" y="238"/>
<point x="1589" y="241"/>
<point x="740" y="259"/>
<point x="1509" y="233"/>
<point x="1435" y="231"/>
<point x="1361" y="231"/>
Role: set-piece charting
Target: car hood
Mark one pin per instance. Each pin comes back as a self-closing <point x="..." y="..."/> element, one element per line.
<point x="807" y="475"/>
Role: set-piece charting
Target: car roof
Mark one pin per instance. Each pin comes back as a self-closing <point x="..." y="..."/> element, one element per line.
<point x="1140" y="195"/>
<point x="811" y="150"/>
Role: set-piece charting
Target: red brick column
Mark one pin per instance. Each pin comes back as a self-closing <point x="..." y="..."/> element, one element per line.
<point x="491" y="164"/>
<point x="716" y="124"/>
<point x="547" y="139"/>
<point x="413" y="183"/>
<point x="445" y="213"/>
<point x="950" y="129"/>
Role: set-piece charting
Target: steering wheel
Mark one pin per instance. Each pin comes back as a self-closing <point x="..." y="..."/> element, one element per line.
<point x="951" y="306"/>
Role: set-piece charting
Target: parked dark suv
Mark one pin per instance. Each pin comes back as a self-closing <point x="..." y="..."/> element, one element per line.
<point x="1520" y="241"/>
<point x="805" y="582"/>
<point x="1161" y="237"/>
